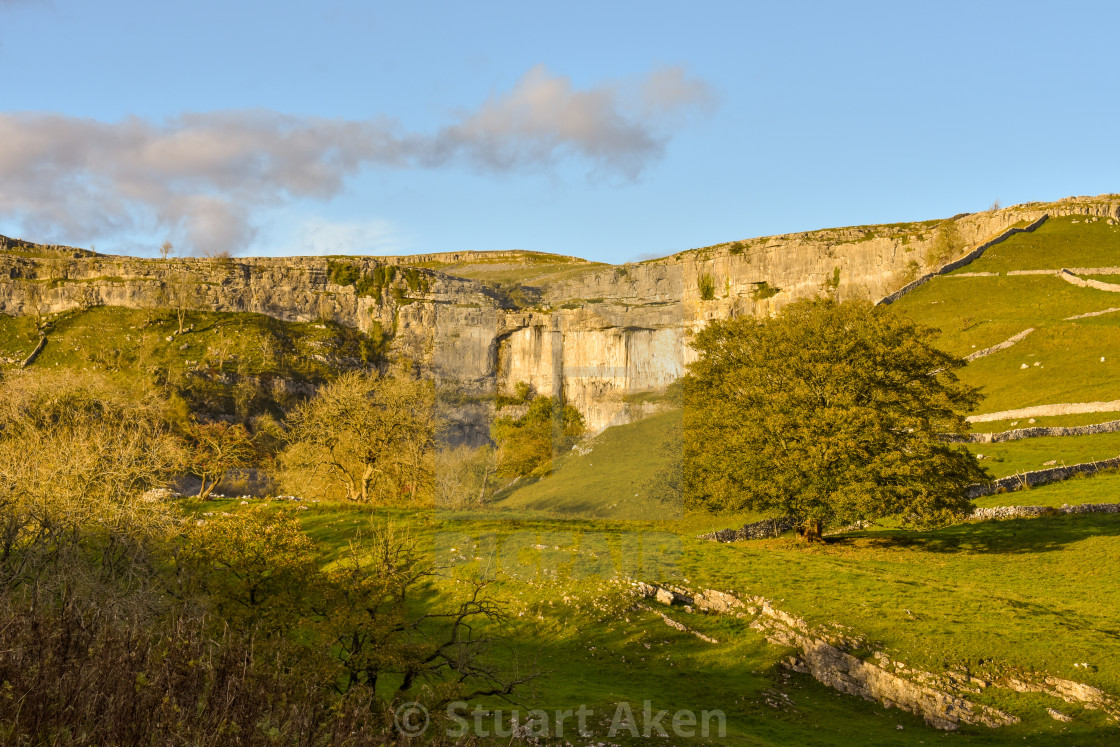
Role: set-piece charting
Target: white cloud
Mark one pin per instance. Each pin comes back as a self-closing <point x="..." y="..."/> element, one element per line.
<point x="323" y="237"/>
<point x="202" y="176"/>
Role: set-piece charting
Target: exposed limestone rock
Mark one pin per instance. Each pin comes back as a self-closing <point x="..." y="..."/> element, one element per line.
<point x="1071" y="692"/>
<point x="824" y="657"/>
<point x="597" y="336"/>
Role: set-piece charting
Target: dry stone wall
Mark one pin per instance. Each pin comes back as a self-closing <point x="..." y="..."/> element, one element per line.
<point x="1041" y="477"/>
<point x="1112" y="426"/>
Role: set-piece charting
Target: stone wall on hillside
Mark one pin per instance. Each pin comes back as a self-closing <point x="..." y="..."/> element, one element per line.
<point x="1041" y="477"/>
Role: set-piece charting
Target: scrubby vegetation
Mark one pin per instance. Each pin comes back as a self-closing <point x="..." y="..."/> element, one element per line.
<point x="374" y="283"/>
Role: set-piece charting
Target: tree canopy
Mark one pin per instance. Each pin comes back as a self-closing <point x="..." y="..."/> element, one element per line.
<point x="371" y="436"/>
<point x="827" y="413"/>
<point x="528" y="444"/>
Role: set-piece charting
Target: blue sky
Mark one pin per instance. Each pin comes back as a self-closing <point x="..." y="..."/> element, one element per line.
<point x="611" y="131"/>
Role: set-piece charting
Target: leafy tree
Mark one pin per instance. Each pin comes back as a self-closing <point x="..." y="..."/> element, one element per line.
<point x="253" y="563"/>
<point x="77" y="451"/>
<point x="528" y="444"/>
<point x="215" y="449"/>
<point x="365" y="434"/>
<point x="827" y="413"/>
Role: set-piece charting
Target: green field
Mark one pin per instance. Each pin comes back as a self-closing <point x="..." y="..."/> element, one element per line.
<point x="964" y="598"/>
<point x="1100" y="488"/>
<point x="627" y="456"/>
<point x="1069" y="241"/>
<point x="1013" y="457"/>
<point x="1061" y="361"/>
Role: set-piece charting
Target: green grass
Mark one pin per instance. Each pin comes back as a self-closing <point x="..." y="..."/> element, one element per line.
<point x="1013" y="457"/>
<point x="1100" y="488"/>
<point x="1057" y="243"/>
<point x="939" y="599"/>
<point x="627" y="456"/>
<point x="976" y="313"/>
<point x="1069" y="367"/>
<point x="131" y="345"/>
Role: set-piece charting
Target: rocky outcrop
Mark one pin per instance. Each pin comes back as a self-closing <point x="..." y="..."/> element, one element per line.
<point x="596" y="335"/>
<point x="937" y="699"/>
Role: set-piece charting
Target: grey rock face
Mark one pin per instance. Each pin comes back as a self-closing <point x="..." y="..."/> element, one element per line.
<point x="598" y="336"/>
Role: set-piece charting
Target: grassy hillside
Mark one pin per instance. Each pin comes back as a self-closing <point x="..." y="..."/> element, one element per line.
<point x="227" y="362"/>
<point x="1064" y="359"/>
<point x="604" y="477"/>
<point x="518" y="268"/>
<point x="1011" y="457"/>
<point x="1069" y="241"/>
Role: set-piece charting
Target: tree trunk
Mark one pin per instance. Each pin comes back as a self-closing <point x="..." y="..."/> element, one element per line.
<point x="365" y="482"/>
<point x="204" y="490"/>
<point x="810" y="530"/>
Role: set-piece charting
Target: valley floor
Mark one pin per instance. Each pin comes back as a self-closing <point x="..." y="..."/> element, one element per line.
<point x="1021" y="599"/>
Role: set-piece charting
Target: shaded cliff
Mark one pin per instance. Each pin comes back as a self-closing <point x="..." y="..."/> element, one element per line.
<point x="476" y="322"/>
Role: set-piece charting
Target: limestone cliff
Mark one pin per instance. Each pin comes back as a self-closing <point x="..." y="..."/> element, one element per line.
<point x="481" y="322"/>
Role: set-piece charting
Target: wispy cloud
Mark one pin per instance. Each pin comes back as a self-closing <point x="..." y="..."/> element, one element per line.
<point x="373" y="237"/>
<point x="202" y="176"/>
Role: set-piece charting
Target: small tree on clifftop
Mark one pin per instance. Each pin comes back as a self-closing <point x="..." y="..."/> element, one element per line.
<point x="828" y="413"/>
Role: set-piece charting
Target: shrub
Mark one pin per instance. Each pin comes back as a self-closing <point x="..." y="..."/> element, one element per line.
<point x="707" y="286"/>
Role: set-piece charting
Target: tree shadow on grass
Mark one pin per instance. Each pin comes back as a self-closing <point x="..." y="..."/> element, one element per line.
<point x="1005" y="537"/>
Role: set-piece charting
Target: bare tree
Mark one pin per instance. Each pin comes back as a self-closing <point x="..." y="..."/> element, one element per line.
<point x="166" y="250"/>
<point x="181" y="294"/>
<point x="366" y="435"/>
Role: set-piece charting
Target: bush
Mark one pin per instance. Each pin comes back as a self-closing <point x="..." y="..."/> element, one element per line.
<point x="707" y="287"/>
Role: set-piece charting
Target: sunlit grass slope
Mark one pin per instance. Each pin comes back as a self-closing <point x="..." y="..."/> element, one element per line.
<point x="1012" y="457"/>
<point x="992" y="598"/>
<point x="1069" y="241"/>
<point x="205" y="364"/>
<point x="1063" y="360"/>
<point x="604" y="476"/>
